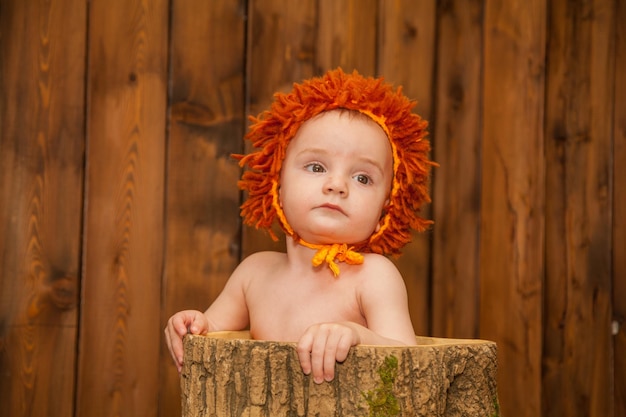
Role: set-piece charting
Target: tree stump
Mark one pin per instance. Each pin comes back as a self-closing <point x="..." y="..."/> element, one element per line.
<point x="229" y="374"/>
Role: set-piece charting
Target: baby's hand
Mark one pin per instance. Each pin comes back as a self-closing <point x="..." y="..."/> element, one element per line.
<point x="324" y="344"/>
<point x="181" y="323"/>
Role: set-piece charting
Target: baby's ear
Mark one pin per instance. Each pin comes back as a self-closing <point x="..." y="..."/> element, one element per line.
<point x="377" y="228"/>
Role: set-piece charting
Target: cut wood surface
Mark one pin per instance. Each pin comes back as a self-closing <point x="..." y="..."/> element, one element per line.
<point x="229" y="374"/>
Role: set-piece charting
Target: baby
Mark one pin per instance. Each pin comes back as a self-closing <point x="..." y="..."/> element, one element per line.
<point x="342" y="164"/>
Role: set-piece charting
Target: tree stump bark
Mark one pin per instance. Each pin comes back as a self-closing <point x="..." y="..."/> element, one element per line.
<point x="229" y="374"/>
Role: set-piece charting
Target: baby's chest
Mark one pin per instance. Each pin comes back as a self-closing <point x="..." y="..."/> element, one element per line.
<point x="280" y="314"/>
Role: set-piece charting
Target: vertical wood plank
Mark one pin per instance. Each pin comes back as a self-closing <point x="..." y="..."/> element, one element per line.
<point x="619" y="214"/>
<point x="578" y="223"/>
<point x="406" y="54"/>
<point x="206" y="127"/>
<point x="123" y="233"/>
<point x="512" y="198"/>
<point x="456" y="200"/>
<point x="281" y="51"/>
<point x="347" y="35"/>
<point x="41" y="171"/>
<point x="406" y="49"/>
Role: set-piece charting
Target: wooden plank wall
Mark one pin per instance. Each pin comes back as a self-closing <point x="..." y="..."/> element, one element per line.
<point x="118" y="203"/>
<point x="42" y="148"/>
<point x="123" y="213"/>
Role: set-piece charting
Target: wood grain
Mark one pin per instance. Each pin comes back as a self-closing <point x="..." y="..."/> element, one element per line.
<point x="280" y="51"/>
<point x="457" y="181"/>
<point x="127" y="110"/>
<point x="346" y="36"/>
<point x="206" y="127"/>
<point x="41" y="164"/>
<point x="578" y="221"/>
<point x="227" y="373"/>
<point x="619" y="215"/>
<point x="122" y="272"/>
<point x="512" y="198"/>
<point x="407" y="29"/>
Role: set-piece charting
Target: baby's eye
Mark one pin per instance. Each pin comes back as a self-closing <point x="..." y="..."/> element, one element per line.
<point x="363" y="179"/>
<point x="314" y="167"/>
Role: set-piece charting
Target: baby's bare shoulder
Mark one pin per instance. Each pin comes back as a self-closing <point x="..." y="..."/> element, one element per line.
<point x="261" y="262"/>
<point x="378" y="270"/>
<point x="379" y="263"/>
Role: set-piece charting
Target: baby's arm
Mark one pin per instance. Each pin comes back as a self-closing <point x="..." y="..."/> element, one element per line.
<point x="383" y="301"/>
<point x="228" y="312"/>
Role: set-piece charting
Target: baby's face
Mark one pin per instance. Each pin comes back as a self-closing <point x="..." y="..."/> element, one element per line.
<point x="336" y="178"/>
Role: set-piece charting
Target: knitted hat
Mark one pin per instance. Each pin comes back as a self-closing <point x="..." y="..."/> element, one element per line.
<point x="272" y="131"/>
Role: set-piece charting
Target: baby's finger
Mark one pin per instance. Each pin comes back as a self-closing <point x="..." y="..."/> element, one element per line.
<point x="343" y="348"/>
<point x="181" y="322"/>
<point x="318" y="351"/>
<point x="329" y="360"/>
<point x="335" y="351"/>
<point x="175" y="346"/>
<point x="198" y="324"/>
<point x="180" y="327"/>
<point x="304" y="353"/>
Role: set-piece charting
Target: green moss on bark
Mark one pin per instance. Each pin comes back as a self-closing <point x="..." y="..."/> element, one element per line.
<point x="382" y="401"/>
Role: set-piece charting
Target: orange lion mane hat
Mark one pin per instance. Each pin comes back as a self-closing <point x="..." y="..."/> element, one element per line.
<point x="272" y="131"/>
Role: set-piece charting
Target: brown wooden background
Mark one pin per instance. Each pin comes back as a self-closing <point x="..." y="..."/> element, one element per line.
<point x="118" y="203"/>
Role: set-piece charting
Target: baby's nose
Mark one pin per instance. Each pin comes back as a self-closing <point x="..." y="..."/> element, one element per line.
<point x="336" y="185"/>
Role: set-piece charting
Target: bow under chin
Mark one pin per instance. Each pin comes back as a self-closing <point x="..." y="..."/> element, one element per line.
<point x="331" y="254"/>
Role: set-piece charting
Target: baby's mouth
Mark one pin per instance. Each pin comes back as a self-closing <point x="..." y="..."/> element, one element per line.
<point x="334" y="207"/>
